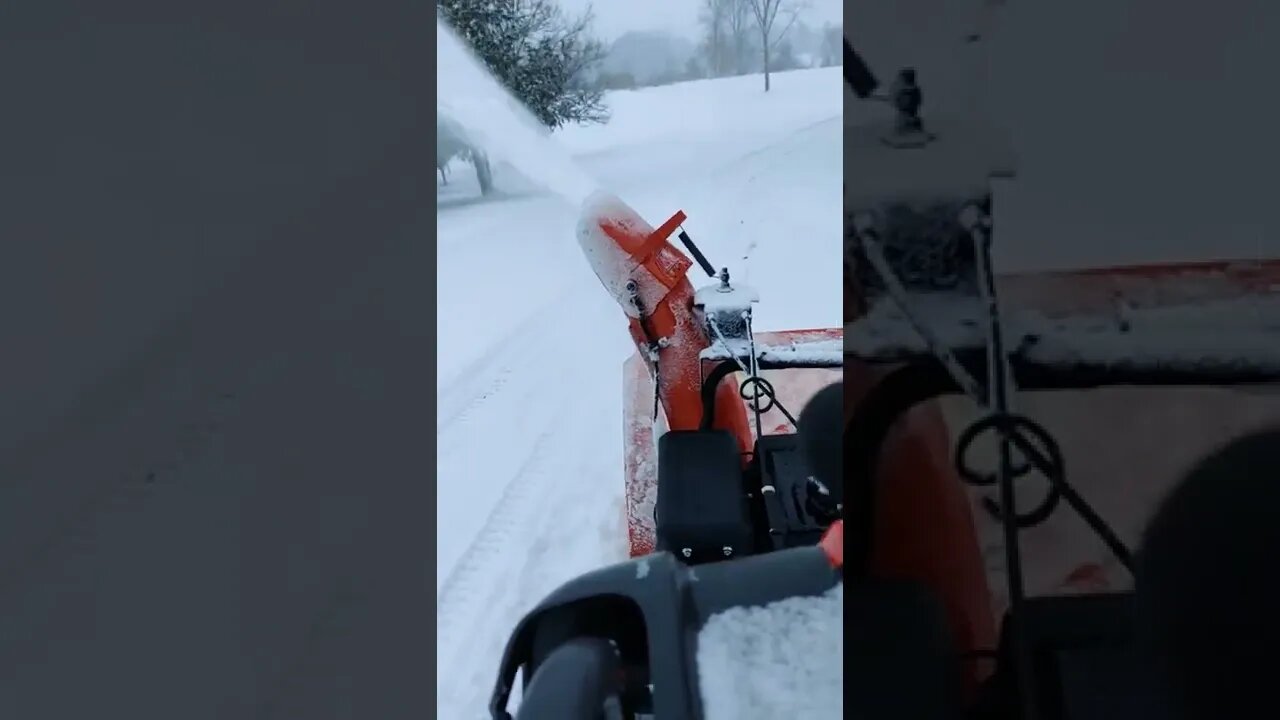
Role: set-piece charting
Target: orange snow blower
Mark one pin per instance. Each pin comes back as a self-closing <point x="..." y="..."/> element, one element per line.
<point x="699" y="367"/>
<point x="728" y="506"/>
<point x="736" y="506"/>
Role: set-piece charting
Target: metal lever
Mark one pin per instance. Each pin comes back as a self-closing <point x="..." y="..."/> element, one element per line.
<point x="696" y="253"/>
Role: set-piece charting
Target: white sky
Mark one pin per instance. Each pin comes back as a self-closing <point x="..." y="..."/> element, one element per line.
<point x="615" y="17"/>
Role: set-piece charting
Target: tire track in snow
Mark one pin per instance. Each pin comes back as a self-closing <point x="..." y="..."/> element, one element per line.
<point x="797" y="135"/>
<point x="466" y="580"/>
<point x="504" y="570"/>
<point x="493" y="372"/>
<point x="553" y="509"/>
<point x="544" y="339"/>
<point x="477" y="472"/>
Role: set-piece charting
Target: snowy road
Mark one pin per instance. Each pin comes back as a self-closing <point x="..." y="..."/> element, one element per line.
<point x="531" y="347"/>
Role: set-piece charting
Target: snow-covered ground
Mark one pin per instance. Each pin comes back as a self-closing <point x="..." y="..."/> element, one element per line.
<point x="531" y="347"/>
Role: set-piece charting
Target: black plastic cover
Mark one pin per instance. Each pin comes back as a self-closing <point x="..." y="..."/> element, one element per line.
<point x="786" y="491"/>
<point x="702" y="511"/>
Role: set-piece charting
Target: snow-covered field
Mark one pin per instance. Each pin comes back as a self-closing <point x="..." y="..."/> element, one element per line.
<point x="531" y="347"/>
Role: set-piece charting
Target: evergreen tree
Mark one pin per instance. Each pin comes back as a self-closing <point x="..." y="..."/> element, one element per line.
<point x="540" y="55"/>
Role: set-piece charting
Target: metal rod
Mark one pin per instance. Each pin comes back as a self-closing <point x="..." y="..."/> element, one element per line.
<point x="978" y="224"/>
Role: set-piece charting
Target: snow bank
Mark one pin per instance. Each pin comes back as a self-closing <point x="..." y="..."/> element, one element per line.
<point x="819" y="353"/>
<point x="783" y="660"/>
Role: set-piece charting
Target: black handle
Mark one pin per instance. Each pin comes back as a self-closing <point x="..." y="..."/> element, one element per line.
<point x="861" y="80"/>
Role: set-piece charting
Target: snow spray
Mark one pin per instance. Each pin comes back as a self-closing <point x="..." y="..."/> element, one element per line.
<point x="493" y="119"/>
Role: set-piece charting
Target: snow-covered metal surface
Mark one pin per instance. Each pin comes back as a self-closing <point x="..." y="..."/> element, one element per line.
<point x="782" y="660"/>
<point x="613" y="264"/>
<point x="1222" y="335"/>
<point x="717" y="298"/>
<point x="640" y="460"/>
<point x="822" y="348"/>
<point x="828" y="353"/>
<point x="1211" y="316"/>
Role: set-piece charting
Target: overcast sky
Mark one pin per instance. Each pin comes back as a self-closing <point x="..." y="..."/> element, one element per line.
<point x="615" y="17"/>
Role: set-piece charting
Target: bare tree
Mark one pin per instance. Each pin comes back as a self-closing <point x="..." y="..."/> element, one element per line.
<point x="831" y="39"/>
<point x="727" y="26"/>
<point x="766" y="14"/>
<point x="738" y="25"/>
<point x="713" y="16"/>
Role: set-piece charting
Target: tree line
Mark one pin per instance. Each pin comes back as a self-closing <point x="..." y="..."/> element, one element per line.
<point x="742" y="37"/>
<point x="753" y="36"/>
<point x="547" y="58"/>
